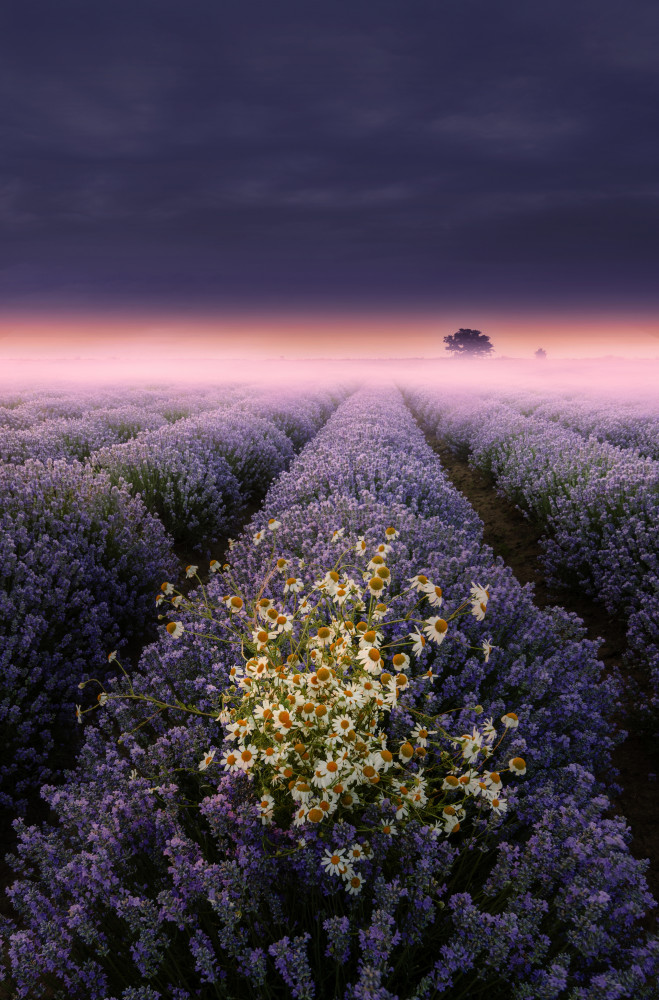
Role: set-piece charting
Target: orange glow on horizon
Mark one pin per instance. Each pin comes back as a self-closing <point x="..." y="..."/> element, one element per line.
<point x="305" y="336"/>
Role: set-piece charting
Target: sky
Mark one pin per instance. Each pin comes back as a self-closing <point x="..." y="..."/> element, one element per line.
<point x="305" y="179"/>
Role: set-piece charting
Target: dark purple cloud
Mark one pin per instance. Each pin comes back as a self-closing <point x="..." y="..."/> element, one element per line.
<point x="417" y="152"/>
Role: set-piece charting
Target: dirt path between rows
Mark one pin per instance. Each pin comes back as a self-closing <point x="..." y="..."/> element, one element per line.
<point x="517" y="541"/>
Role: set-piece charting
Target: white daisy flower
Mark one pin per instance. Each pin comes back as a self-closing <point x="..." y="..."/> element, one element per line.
<point x="79" y="713"/>
<point x="436" y="629"/>
<point x="419" y="582"/>
<point x="376" y="586"/>
<point x="487" y="649"/>
<point x="388" y="828"/>
<point x="265" y="808"/>
<point x="167" y="588"/>
<point x="517" y="765"/>
<point x="498" y="806"/>
<point x="360" y="546"/>
<point x="480" y="594"/>
<point x="229" y="761"/>
<point x="338" y="534"/>
<point x="214" y="566"/>
<point x="478" y="609"/>
<point x="510" y="720"/>
<point x="354" y="883"/>
<point x="418" y="642"/>
<point x="293" y="584"/>
<point x="207" y="759"/>
<point x="400" y="661"/>
<point x="190" y="571"/>
<point x="333" y="861"/>
<point x="273" y="524"/>
<point x="112" y="656"/>
<point x="247" y="756"/>
<point x="391" y="533"/>
<point x="102" y="698"/>
<point x="420" y="735"/>
<point x="258" y="537"/>
<point x="175" y="629"/>
<point x="434" y="595"/>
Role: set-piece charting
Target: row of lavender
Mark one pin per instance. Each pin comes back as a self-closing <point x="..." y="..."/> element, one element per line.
<point x="71" y="423"/>
<point x="621" y="422"/>
<point x="597" y="503"/>
<point x="83" y="547"/>
<point x="159" y="879"/>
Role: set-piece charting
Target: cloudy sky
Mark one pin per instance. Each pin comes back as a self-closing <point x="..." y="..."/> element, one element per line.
<point x="488" y="163"/>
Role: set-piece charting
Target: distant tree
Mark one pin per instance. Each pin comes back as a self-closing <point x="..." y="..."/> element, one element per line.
<point x="540" y="353"/>
<point x="468" y="343"/>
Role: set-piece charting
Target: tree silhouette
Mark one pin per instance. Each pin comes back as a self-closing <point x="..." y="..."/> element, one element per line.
<point x="468" y="343"/>
<point x="541" y="353"/>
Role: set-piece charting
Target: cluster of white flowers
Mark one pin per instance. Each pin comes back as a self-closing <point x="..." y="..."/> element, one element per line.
<point x="306" y="721"/>
<point x="305" y="716"/>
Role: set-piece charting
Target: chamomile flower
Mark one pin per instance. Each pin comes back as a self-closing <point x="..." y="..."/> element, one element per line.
<point x="360" y="545"/>
<point x="214" y="566"/>
<point x="281" y="565"/>
<point x="247" y="756"/>
<point x="388" y="828"/>
<point x="294" y="585"/>
<point x="418" y="642"/>
<point x="480" y="594"/>
<point x="333" y="861"/>
<point x="498" y="806"/>
<point x="434" y="595"/>
<point x="517" y="765"/>
<point x="376" y="586"/>
<point x="338" y="534"/>
<point x="258" y="537"/>
<point x="487" y="649"/>
<point x="273" y="524"/>
<point x="230" y="760"/>
<point x="478" y="609"/>
<point x="102" y="698"/>
<point x="379" y="611"/>
<point x="284" y="622"/>
<point x="266" y="808"/>
<point x="510" y="720"/>
<point x="112" y="656"/>
<point x="436" y="629"/>
<point x="391" y="533"/>
<point x="175" y="629"/>
<point x="371" y="659"/>
<point x="262" y="637"/>
<point x="207" y="760"/>
<point x="167" y="588"/>
<point x="191" y="571"/>
<point x="420" y="735"/>
<point x="356" y="853"/>
<point x="234" y="603"/>
<point x="400" y="661"/>
<point x="354" y="883"/>
<point x="419" y="582"/>
<point x="79" y="713"/>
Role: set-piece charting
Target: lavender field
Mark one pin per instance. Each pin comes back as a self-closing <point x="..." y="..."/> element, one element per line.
<point x="277" y="721"/>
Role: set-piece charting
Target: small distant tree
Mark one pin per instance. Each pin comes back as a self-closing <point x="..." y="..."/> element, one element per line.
<point x="468" y="343"/>
<point x="540" y="353"/>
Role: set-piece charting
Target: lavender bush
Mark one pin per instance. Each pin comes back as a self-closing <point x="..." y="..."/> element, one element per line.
<point x="161" y="879"/>
<point x="598" y="504"/>
<point x="78" y="561"/>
